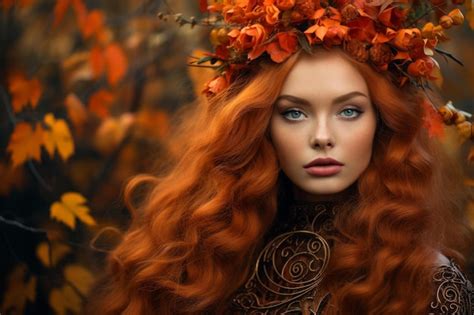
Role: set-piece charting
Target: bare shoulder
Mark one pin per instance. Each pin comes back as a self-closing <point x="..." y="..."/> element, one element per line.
<point x="454" y="293"/>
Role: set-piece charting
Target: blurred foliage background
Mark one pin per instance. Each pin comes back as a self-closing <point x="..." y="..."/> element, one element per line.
<point x="88" y="90"/>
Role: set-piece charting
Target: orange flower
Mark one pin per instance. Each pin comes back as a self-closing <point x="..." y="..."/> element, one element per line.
<point x="393" y="17"/>
<point x="250" y="37"/>
<point x="328" y="30"/>
<point x="283" y="47"/>
<point x="273" y="14"/>
<point x="405" y="36"/>
<point x="234" y="14"/>
<point x="285" y="4"/>
<point x="256" y="13"/>
<point x="422" y="67"/>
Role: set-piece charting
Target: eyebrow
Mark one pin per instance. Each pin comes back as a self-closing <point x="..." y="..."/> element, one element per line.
<point x="337" y="100"/>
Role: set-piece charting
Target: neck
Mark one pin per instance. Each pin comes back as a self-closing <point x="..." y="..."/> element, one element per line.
<point x="300" y="195"/>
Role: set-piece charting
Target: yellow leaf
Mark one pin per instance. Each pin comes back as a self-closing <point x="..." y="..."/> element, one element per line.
<point x="25" y="143"/>
<point x="70" y="207"/>
<point x="58" y="251"/>
<point x="58" y="137"/>
<point x="80" y="277"/>
<point x="64" y="299"/>
<point x="18" y="291"/>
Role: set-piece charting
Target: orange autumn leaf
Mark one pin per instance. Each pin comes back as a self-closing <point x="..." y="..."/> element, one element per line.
<point x="100" y="102"/>
<point x="76" y="111"/>
<point x="91" y="23"/>
<point x="112" y="60"/>
<point x="97" y="61"/>
<point x="51" y="254"/>
<point x="24" y="91"/>
<point x="25" y="143"/>
<point x="19" y="291"/>
<point x="58" y="137"/>
<point x="117" y="63"/>
<point x="65" y="300"/>
<point x="61" y="7"/>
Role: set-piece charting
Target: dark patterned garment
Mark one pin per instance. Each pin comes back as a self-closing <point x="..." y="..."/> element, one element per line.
<point x="290" y="268"/>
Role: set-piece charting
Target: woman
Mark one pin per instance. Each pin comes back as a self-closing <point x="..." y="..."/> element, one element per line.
<point x="249" y="218"/>
<point x="308" y="182"/>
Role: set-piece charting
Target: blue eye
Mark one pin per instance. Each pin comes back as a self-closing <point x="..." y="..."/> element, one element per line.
<point x="293" y="114"/>
<point x="350" y="113"/>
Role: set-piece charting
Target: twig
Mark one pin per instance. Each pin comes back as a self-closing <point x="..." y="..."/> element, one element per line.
<point x="38" y="177"/>
<point x="6" y="103"/>
<point x="22" y="226"/>
<point x="449" y="55"/>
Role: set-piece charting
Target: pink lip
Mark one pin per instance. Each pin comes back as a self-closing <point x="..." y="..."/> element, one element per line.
<point x="323" y="167"/>
<point x="327" y="170"/>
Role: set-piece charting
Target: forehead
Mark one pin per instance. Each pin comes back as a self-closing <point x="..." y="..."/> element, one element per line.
<point x="323" y="74"/>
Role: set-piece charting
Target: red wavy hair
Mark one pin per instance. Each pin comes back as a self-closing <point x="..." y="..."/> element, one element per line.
<point x="196" y="228"/>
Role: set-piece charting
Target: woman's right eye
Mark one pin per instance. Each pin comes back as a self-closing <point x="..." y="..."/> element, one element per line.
<point x="293" y="114"/>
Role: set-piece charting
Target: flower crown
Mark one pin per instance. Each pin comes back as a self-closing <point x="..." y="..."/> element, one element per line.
<point x="398" y="36"/>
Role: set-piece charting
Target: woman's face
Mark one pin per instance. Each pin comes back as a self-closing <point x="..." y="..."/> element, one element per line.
<point x="323" y="112"/>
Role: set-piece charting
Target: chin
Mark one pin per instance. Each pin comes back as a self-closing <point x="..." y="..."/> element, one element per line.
<point x="326" y="187"/>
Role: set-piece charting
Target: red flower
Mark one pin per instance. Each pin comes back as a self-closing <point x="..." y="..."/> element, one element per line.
<point x="283" y="47"/>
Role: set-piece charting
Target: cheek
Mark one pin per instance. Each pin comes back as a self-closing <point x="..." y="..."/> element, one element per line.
<point x="359" y="145"/>
<point x="287" y="142"/>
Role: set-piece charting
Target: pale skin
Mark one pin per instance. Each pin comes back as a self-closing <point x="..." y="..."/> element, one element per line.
<point x="324" y="110"/>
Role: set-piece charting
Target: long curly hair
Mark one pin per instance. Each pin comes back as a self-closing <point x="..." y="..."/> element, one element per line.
<point x="198" y="221"/>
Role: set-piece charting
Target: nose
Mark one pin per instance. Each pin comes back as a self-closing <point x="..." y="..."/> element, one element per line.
<point x="321" y="136"/>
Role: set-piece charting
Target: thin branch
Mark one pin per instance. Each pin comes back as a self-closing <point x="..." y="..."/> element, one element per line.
<point x="22" y="226"/>
<point x="38" y="177"/>
<point x="6" y="103"/>
<point x="444" y="53"/>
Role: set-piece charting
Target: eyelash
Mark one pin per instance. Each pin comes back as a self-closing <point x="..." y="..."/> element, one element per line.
<point x="356" y="110"/>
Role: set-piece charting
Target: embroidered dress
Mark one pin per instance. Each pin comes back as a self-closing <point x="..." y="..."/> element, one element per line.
<point x="290" y="267"/>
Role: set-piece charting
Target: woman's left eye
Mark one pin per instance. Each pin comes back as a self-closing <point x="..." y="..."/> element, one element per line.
<point x="350" y="112"/>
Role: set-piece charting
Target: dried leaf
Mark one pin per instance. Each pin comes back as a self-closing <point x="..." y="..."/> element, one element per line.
<point x="64" y="299"/>
<point x="71" y="207"/>
<point x="18" y="291"/>
<point x="58" y="137"/>
<point x="100" y="102"/>
<point x="58" y="251"/>
<point x="25" y="143"/>
<point x="117" y="63"/>
<point x="24" y="91"/>
<point x="80" y="277"/>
